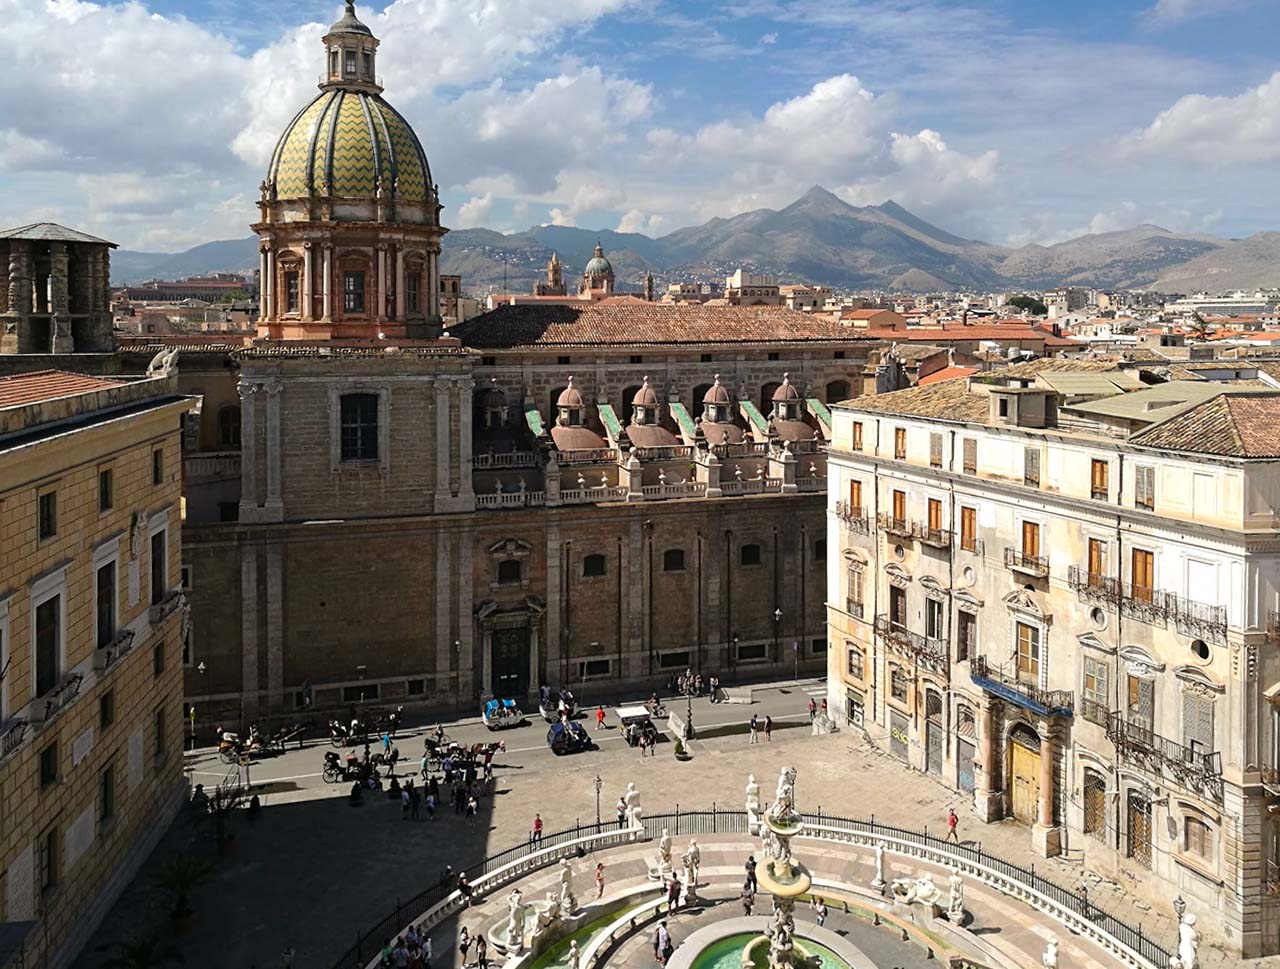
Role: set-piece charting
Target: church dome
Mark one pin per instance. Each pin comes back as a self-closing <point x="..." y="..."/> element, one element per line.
<point x="570" y="396"/>
<point x="599" y="265"/>
<point x="343" y="144"/>
<point x="645" y="396"/>
<point x="718" y="394"/>
<point x="786" y="391"/>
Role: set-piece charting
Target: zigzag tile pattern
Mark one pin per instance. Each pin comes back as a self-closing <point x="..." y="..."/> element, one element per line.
<point x="370" y="139"/>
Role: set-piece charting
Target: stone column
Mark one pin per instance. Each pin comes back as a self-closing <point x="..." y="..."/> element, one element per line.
<point x="433" y="283"/>
<point x="534" y="648"/>
<point x="248" y="635"/>
<point x="486" y="653"/>
<point x="382" y="284"/>
<point x="308" y="282"/>
<point x="465" y="494"/>
<point x="59" y="298"/>
<point x="328" y="283"/>
<point x="400" y="308"/>
<point x="466" y="624"/>
<point x="9" y="323"/>
<point x="557" y="645"/>
<point x="274" y="508"/>
<point x="264" y="284"/>
<point x="275" y="624"/>
<point x="248" y="454"/>
<point x="269" y="285"/>
<point x="987" y="798"/>
<point x="1045" y="835"/>
<point x="444" y="500"/>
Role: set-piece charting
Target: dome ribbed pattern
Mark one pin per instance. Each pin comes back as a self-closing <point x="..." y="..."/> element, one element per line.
<point x="341" y="143"/>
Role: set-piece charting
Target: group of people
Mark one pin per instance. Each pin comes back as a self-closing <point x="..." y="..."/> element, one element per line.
<point x="690" y="683"/>
<point x="409" y="951"/>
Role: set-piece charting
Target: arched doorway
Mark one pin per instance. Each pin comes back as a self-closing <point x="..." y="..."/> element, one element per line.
<point x="1024" y="774"/>
<point x="837" y="390"/>
<point x="933" y="733"/>
<point x="1138" y="829"/>
<point x="1095" y="804"/>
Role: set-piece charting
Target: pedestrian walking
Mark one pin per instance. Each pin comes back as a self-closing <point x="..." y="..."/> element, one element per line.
<point x="644" y="742"/>
<point x="820" y="912"/>
<point x="768" y="729"/>
<point x="426" y="951"/>
<point x="750" y="866"/>
<point x="464" y="943"/>
<point x="823" y="708"/>
<point x="813" y="709"/>
<point x="404" y="804"/>
<point x="748" y="897"/>
<point x="599" y="718"/>
<point x="673" y="894"/>
<point x="415" y="802"/>
<point x="473" y="806"/>
<point x="431" y="806"/>
<point x="662" y="947"/>
<point x="621" y="808"/>
<point x="386" y="743"/>
<point x="952" y="821"/>
<point x="537" y="829"/>
<point x="482" y="952"/>
<point x="755" y="730"/>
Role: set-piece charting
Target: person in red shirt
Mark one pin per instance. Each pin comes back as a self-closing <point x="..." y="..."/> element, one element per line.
<point x="599" y="718"/>
<point x="537" y="828"/>
<point x="952" y="821"/>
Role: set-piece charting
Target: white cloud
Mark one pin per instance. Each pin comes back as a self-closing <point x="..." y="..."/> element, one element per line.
<point x="634" y="220"/>
<point x="1167" y="12"/>
<point x="19" y="153"/>
<point x="475" y="212"/>
<point x="769" y="39"/>
<point x="561" y="217"/>
<point x="1216" y="131"/>
<point x="596" y="198"/>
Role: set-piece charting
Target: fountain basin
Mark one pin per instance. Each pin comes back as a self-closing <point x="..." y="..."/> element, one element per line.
<point x="722" y="945"/>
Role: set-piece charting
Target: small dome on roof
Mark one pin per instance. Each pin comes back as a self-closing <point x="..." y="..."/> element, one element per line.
<point x="599" y="265"/>
<point x="718" y="394"/>
<point x="350" y="23"/>
<point x="787" y="391"/>
<point x="570" y="396"/>
<point x="645" y="396"/>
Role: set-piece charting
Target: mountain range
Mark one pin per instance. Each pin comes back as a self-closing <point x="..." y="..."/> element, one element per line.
<point x="819" y="238"/>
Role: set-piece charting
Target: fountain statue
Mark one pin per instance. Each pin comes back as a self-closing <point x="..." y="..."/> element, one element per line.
<point x="753" y="805"/>
<point x="1188" y="942"/>
<point x="660" y="864"/>
<point x="780" y="874"/>
<point x="1050" y="958"/>
<point x="567" y="900"/>
<point x="690" y="879"/>
<point x="513" y="934"/>
<point x="574" y="961"/>
<point x="632" y="800"/>
<point x="694" y="855"/>
<point x="879" y="882"/>
<point x="955" y="903"/>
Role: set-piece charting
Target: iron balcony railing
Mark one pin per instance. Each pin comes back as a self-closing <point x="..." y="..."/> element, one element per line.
<point x="1152" y="606"/>
<point x="61" y="697"/>
<point x="11" y="736"/>
<point x="1094" y="712"/>
<point x="1273" y="623"/>
<point x="972" y="545"/>
<point x="1190" y="767"/>
<point x="854" y="517"/>
<point x="936" y="537"/>
<point x="925" y="650"/>
<point x="995" y="680"/>
<point x="854" y="608"/>
<point x="1273" y="878"/>
<point x="1271" y="780"/>
<point x="894" y="526"/>
<point x="1019" y="561"/>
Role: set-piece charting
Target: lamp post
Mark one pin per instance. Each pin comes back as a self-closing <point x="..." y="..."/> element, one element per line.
<point x="599" y="784"/>
<point x="457" y="676"/>
<point x="795" y="655"/>
<point x="777" y="630"/>
<point x="200" y="668"/>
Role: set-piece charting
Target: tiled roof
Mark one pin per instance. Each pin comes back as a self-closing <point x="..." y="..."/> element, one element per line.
<point x="632" y="324"/>
<point x="38" y="385"/>
<point x="947" y="373"/>
<point x="949" y="400"/>
<point x="51" y="232"/>
<point x="1229" y="425"/>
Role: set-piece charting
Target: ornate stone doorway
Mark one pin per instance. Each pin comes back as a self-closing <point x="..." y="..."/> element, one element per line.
<point x="510" y="668"/>
<point x="1024" y="774"/>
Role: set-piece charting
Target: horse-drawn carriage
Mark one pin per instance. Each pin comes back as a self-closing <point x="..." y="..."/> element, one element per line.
<point x="233" y="750"/>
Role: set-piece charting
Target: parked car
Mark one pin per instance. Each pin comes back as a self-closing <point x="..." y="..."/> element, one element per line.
<point x="568" y="738"/>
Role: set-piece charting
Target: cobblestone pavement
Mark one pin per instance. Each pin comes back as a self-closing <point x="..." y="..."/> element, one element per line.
<point x="311" y="871"/>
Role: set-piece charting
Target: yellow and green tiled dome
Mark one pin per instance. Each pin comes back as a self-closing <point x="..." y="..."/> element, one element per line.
<point x="341" y="143"/>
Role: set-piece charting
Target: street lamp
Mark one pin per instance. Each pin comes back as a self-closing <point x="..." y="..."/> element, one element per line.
<point x="457" y="676"/>
<point x="599" y="784"/>
<point x="777" y="629"/>
<point x="795" y="654"/>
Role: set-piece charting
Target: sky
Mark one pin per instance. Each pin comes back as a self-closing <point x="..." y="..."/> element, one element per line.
<point x="1012" y="121"/>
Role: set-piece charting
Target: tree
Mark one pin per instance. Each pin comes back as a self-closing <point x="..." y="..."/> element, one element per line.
<point x="180" y="875"/>
<point x="1199" y="326"/>
<point x="146" y="952"/>
<point x="1029" y="303"/>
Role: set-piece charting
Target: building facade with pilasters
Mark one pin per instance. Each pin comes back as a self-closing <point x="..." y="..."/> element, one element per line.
<point x="1063" y="604"/>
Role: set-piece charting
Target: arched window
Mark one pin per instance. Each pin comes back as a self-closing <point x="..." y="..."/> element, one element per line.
<point x="837" y="390"/>
<point x="749" y="555"/>
<point x="1095" y="804"/>
<point x="629" y="408"/>
<point x="509" y="572"/>
<point x="593" y="566"/>
<point x="229" y="427"/>
<point x="766" y="397"/>
<point x="673" y="560"/>
<point x="359" y="424"/>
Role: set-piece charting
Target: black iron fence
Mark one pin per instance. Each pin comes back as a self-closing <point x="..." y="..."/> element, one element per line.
<point x="720" y="821"/>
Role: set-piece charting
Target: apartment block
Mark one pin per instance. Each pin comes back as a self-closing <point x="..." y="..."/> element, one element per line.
<point x="92" y="621"/>
<point x="1054" y="586"/>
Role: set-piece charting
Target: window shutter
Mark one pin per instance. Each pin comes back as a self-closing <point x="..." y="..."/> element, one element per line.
<point x="970" y="455"/>
<point x="1144" y="487"/>
<point x="1031" y="466"/>
<point x="935" y="450"/>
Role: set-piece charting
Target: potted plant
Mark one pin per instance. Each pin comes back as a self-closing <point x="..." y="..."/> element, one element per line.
<point x="180" y="876"/>
<point x="681" y="752"/>
<point x="147" y="952"/>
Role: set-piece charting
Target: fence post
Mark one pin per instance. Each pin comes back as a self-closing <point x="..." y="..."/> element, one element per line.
<point x="677" y="817"/>
<point x="715" y="819"/>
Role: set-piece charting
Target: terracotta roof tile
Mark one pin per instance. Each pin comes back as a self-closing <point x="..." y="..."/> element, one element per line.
<point x="1230" y="425"/>
<point x="638" y="324"/>
<point x="947" y="373"/>
<point x="38" y="385"/>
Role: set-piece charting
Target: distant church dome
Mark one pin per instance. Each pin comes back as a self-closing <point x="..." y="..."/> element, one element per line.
<point x="599" y="265"/>
<point x="348" y="143"/>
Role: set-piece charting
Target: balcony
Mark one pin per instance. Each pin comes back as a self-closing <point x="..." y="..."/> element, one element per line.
<point x="105" y="657"/>
<point x="935" y="537"/>
<point x="1047" y="703"/>
<point x="894" y="526"/>
<point x="675" y="489"/>
<point x="11" y="736"/>
<point x="972" y="545"/>
<point x="1273" y="625"/>
<point x="751" y="486"/>
<point x="46" y="708"/>
<point x="854" y="517"/>
<point x="203" y="466"/>
<point x="171" y="602"/>
<point x="925" y="650"/>
<point x="511" y="459"/>
<point x="586" y="455"/>
<point x="1141" y="747"/>
<point x="1273" y="878"/>
<point x="512" y="499"/>
<point x="1152" y="606"/>
<point x="1094" y="712"/>
<point x="1271" y="780"/>
<point x="854" y="608"/>
<point x="1033" y="565"/>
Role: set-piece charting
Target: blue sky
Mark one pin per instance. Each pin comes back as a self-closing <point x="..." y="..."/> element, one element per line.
<point x="150" y="123"/>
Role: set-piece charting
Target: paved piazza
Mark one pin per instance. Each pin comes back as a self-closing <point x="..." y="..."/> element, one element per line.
<point x="311" y="870"/>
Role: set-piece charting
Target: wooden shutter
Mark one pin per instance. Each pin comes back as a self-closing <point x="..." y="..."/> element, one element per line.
<point x="900" y="505"/>
<point x="1031" y="539"/>
<point x="935" y="515"/>
<point x="1098" y="483"/>
<point x="855" y="498"/>
<point x="1097" y="561"/>
<point x="1197" y="722"/>
<point x="857" y="435"/>
<point x="1143" y="577"/>
<point x="968" y="527"/>
<point x="1144" y="487"/>
<point x="900" y="443"/>
<point x="935" y="450"/>
<point x="1031" y="467"/>
<point x="970" y="455"/>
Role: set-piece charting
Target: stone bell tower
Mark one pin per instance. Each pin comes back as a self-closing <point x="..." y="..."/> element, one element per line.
<point x="54" y="291"/>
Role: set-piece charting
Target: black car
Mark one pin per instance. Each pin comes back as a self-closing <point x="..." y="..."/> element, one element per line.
<point x="567" y="738"/>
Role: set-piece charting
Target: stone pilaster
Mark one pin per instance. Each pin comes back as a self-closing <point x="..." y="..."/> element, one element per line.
<point x="248" y="634"/>
<point x="308" y="281"/>
<point x="327" y="290"/>
<point x="60" y="298"/>
<point x="13" y="332"/>
<point x="557" y="645"/>
<point x="466" y="658"/>
<point x="273" y="509"/>
<point x="443" y="499"/>
<point x="466" y="496"/>
<point x="275" y="625"/>
<point x="443" y="646"/>
<point x="400" y="304"/>
<point x="1046" y="836"/>
<point x="987" y="798"/>
<point x="248" y="453"/>
<point x="264" y="284"/>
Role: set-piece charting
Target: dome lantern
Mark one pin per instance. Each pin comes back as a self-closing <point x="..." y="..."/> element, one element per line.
<point x="351" y="55"/>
